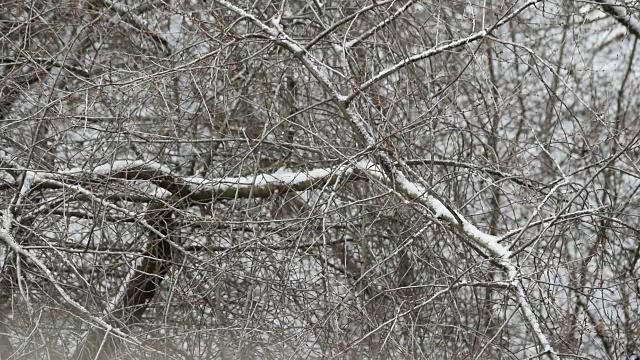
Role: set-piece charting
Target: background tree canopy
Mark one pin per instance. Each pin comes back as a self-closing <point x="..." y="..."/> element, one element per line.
<point x="299" y="179"/>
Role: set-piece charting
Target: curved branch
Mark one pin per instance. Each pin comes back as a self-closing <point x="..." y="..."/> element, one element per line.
<point x="436" y="50"/>
<point x="618" y="12"/>
<point x="412" y="191"/>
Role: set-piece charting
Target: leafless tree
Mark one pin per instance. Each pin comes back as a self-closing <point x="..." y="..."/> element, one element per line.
<point x="353" y="179"/>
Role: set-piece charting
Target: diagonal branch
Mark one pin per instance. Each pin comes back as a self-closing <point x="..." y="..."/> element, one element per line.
<point x="7" y="238"/>
<point x="343" y="21"/>
<point x="619" y="12"/>
<point x="436" y="50"/>
<point x="380" y="25"/>
<point x="409" y="190"/>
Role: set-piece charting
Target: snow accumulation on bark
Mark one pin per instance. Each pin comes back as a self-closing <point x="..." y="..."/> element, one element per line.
<point x="408" y="189"/>
<point x="619" y="12"/>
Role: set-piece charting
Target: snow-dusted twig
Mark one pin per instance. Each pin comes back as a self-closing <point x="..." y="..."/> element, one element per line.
<point x="408" y="189"/>
<point x="619" y="12"/>
<point x="344" y="20"/>
<point x="380" y="25"/>
<point x="8" y="239"/>
<point x="437" y="50"/>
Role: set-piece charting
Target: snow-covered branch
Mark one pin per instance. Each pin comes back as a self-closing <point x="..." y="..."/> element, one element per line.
<point x="514" y="192"/>
<point x="201" y="189"/>
<point x="345" y="20"/>
<point x="410" y="190"/>
<point x="380" y="25"/>
<point x="436" y="50"/>
<point x="619" y="12"/>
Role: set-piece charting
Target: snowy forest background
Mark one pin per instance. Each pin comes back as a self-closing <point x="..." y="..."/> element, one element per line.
<point x="305" y="179"/>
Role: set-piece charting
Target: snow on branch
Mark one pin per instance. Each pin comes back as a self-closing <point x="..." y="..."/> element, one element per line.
<point x="8" y="239"/>
<point x="201" y="189"/>
<point x="260" y="185"/>
<point x="436" y="50"/>
<point x="409" y="189"/>
<point x="380" y="25"/>
<point x="393" y="174"/>
<point x="345" y="20"/>
<point x="415" y="192"/>
<point x="619" y="12"/>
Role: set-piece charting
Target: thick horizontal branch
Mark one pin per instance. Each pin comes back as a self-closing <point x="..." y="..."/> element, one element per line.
<point x="416" y="192"/>
<point x="211" y="190"/>
<point x="257" y="185"/>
